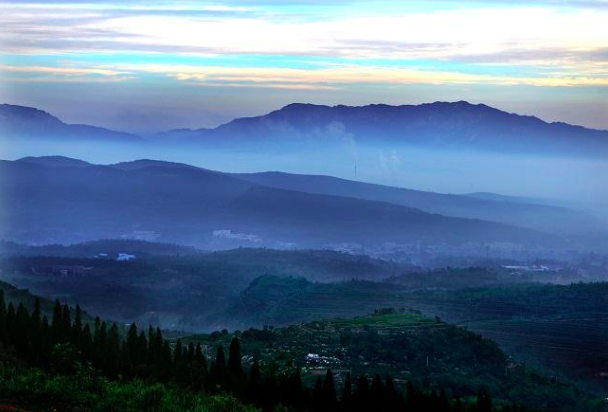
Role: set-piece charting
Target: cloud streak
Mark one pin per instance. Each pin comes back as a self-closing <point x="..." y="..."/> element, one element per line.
<point x="311" y="48"/>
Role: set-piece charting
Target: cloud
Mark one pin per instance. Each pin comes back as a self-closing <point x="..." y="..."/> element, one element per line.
<point x="240" y="28"/>
<point x="340" y="76"/>
<point x="326" y="78"/>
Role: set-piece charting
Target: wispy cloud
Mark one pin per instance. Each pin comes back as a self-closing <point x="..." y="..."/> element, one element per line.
<point x="314" y="48"/>
<point x="326" y="78"/>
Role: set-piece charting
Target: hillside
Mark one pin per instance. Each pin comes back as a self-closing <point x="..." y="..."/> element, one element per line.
<point x="95" y="367"/>
<point x="20" y="122"/>
<point x="410" y="347"/>
<point x="447" y="125"/>
<point x="513" y="211"/>
<point x="171" y="290"/>
<point x="551" y="326"/>
<point x="46" y="204"/>
<point x="522" y="212"/>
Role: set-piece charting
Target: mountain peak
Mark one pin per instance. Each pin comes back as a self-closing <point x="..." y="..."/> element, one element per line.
<point x="54" y="161"/>
<point x="18" y="113"/>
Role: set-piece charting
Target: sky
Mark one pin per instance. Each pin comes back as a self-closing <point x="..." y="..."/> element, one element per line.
<point x="147" y="66"/>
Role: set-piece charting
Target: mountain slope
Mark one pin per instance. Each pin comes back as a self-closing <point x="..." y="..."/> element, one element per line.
<point x="438" y="125"/>
<point x="503" y="209"/>
<point x="188" y="205"/>
<point x="20" y="122"/>
<point x="534" y="216"/>
<point x="457" y="125"/>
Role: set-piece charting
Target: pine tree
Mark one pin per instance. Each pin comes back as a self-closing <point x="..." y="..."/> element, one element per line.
<point x="3" y="329"/>
<point x="10" y="323"/>
<point x="458" y="406"/>
<point x="99" y="345"/>
<point x="57" y="322"/>
<point x="111" y="359"/>
<point x="199" y="369"/>
<point x="318" y="396"/>
<point x="293" y="393"/>
<point x="66" y="324"/>
<point x="392" y="397"/>
<point x="141" y="351"/>
<point x="125" y="363"/>
<point x="484" y="402"/>
<point x="45" y="339"/>
<point x="20" y="332"/>
<point x="377" y="392"/>
<point x="179" y="363"/>
<point x="219" y="377"/>
<point x="443" y="404"/>
<point x="254" y="384"/>
<point x="235" y="367"/>
<point x="361" y="395"/>
<point x="132" y="344"/>
<point x="86" y="344"/>
<point x="329" y="392"/>
<point x="76" y="331"/>
<point x="165" y="364"/>
<point x="347" y="393"/>
<point x="234" y="378"/>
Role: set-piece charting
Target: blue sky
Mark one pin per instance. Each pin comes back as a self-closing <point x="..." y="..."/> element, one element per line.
<point x="155" y="65"/>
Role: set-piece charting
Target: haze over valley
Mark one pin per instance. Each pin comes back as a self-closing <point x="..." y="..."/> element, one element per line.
<point x="303" y="206"/>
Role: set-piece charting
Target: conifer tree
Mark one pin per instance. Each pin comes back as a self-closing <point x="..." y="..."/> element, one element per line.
<point x="458" y="406"/>
<point x="165" y="366"/>
<point x="484" y="402"/>
<point x="3" y="329"/>
<point x="132" y="343"/>
<point x="361" y="395"/>
<point x="125" y="363"/>
<point x="111" y="359"/>
<point x="443" y="404"/>
<point x="141" y="350"/>
<point x="35" y="333"/>
<point x="10" y="323"/>
<point x="318" y="396"/>
<point x="254" y="384"/>
<point x="347" y="393"/>
<point x="329" y="392"/>
<point x="66" y="324"/>
<point x="20" y="332"/>
<point x="293" y="393"/>
<point x="220" y="367"/>
<point x="235" y="367"/>
<point x="86" y="344"/>
<point x="57" y="322"/>
<point x="392" y="397"/>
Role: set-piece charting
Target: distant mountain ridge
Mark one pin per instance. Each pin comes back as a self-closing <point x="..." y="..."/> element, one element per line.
<point x="450" y="125"/>
<point x="530" y="213"/>
<point x="179" y="204"/>
<point x="31" y="123"/>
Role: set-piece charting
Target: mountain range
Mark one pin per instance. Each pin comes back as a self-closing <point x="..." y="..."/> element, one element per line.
<point x="63" y="200"/>
<point x="448" y="125"/>
<point x="20" y="122"/>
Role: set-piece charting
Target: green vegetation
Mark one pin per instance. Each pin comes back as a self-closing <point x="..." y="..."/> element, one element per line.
<point x="177" y="291"/>
<point x="85" y="391"/>
<point x="559" y="329"/>
<point x="63" y="364"/>
<point x="411" y="348"/>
